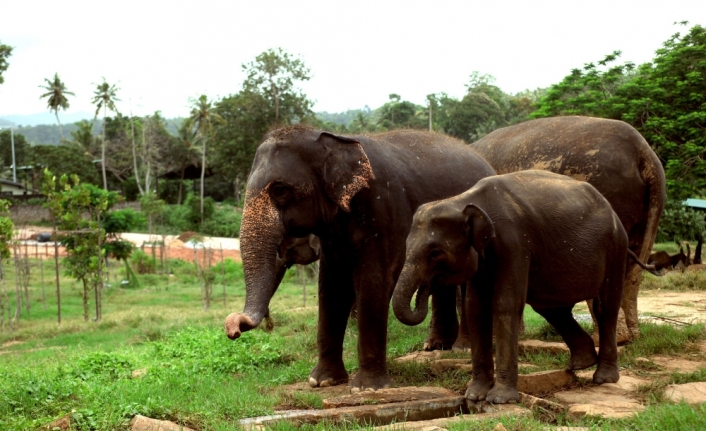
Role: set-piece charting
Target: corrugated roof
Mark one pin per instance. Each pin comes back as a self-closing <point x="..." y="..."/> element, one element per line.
<point x="695" y="203"/>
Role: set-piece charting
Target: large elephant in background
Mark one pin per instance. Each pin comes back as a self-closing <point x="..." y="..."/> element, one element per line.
<point x="610" y="155"/>
<point x="358" y="195"/>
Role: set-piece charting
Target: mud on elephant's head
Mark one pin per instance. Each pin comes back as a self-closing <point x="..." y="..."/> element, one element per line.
<point x="299" y="180"/>
<point x="442" y="250"/>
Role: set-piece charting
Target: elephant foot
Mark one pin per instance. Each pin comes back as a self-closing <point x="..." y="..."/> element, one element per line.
<point x="437" y="340"/>
<point x="462" y="344"/>
<point x="323" y="376"/>
<point x="606" y="374"/>
<point x="503" y="395"/>
<point x="479" y="388"/>
<point x="369" y="381"/>
<point x="583" y="359"/>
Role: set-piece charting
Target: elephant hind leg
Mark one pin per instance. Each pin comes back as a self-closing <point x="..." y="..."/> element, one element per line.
<point x="583" y="351"/>
<point x="606" y="309"/>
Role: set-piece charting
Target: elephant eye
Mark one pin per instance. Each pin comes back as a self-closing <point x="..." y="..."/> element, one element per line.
<point x="280" y="192"/>
<point x="436" y="254"/>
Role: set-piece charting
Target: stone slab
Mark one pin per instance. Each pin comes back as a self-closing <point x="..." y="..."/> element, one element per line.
<point x="368" y="414"/>
<point x="531" y="402"/>
<point x="690" y="393"/>
<point x="500" y="411"/>
<point x="535" y="346"/>
<point x="420" y="357"/>
<point x="605" y="409"/>
<point x="143" y="423"/>
<point x="387" y="396"/>
<point x="544" y="382"/>
<point x="620" y="392"/>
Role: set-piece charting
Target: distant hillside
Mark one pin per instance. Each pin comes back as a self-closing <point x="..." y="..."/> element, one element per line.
<point x="44" y="118"/>
<point x="344" y="118"/>
<point x="49" y="134"/>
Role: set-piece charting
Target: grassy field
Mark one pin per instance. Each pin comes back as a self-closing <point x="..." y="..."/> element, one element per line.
<point x="195" y="376"/>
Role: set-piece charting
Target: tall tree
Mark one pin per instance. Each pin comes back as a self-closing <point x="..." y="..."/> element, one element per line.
<point x="104" y="97"/>
<point x="203" y="115"/>
<point x="184" y="153"/>
<point x="56" y="97"/>
<point x="665" y="100"/>
<point x="5" y="53"/>
<point x="273" y="74"/>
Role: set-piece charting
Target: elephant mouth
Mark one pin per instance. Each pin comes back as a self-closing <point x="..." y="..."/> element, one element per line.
<point x="421" y="297"/>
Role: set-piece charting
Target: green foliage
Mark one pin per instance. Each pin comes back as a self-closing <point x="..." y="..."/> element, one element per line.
<point x="144" y="263"/>
<point x="7" y="229"/>
<point x="56" y="96"/>
<point x="84" y="243"/>
<point x="5" y="53"/>
<point x="193" y="215"/>
<point x="21" y="149"/>
<point x="269" y="97"/>
<point x="64" y="160"/>
<point x="665" y="100"/>
<point x="124" y="220"/>
<point x="225" y="222"/>
<point x="102" y="365"/>
<point x="675" y="280"/>
<point x="208" y="349"/>
<point x="680" y="223"/>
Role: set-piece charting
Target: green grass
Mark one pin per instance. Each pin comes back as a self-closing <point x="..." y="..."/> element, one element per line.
<point x="195" y="376"/>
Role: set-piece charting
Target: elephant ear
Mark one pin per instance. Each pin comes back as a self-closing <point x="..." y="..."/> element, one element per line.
<point x="347" y="169"/>
<point x="480" y="227"/>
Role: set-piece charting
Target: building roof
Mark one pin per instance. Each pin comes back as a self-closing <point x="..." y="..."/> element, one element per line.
<point x="696" y="203"/>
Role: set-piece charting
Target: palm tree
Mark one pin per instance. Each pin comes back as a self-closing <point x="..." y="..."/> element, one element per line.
<point x="202" y="117"/>
<point x="185" y="151"/>
<point x="104" y="97"/>
<point x="56" y="93"/>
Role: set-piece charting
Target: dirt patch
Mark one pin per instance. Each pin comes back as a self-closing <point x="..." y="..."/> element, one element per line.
<point x="10" y="344"/>
<point x="688" y="307"/>
<point x="677" y="365"/>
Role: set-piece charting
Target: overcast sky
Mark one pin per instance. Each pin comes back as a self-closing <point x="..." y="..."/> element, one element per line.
<point x="162" y="53"/>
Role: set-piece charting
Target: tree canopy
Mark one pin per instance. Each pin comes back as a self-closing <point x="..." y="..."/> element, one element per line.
<point x="664" y="99"/>
<point x="5" y="53"/>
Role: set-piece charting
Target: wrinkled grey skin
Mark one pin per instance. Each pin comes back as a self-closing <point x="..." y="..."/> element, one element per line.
<point x="294" y="251"/>
<point x="611" y="156"/>
<point x="527" y="237"/>
<point x="357" y="194"/>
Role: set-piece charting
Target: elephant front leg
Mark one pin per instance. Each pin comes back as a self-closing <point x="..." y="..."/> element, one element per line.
<point x="508" y="303"/>
<point x="463" y="340"/>
<point x="373" y="306"/>
<point x="444" y="324"/>
<point x="336" y="297"/>
<point x="480" y="327"/>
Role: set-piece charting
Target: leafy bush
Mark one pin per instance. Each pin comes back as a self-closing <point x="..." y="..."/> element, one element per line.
<point x="193" y="204"/>
<point x="102" y="365"/>
<point x="175" y="218"/>
<point x="144" y="263"/>
<point x="680" y="222"/>
<point x="208" y="349"/>
<point x="224" y="222"/>
<point x="125" y="220"/>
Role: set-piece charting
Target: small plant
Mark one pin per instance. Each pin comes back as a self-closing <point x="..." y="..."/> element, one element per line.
<point x="144" y="263"/>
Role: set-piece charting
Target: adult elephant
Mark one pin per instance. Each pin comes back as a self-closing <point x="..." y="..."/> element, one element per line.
<point x="610" y="155"/>
<point x="358" y="195"/>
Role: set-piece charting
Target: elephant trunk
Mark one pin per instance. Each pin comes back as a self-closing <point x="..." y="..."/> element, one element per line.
<point x="260" y="234"/>
<point x="407" y="285"/>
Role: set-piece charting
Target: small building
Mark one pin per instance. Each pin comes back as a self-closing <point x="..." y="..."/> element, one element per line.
<point x="11" y="188"/>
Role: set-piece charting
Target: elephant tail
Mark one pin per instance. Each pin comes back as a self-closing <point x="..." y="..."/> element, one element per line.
<point x="653" y="175"/>
<point x="649" y="268"/>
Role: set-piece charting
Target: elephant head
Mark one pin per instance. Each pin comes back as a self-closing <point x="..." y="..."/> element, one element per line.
<point x="299" y="181"/>
<point x="443" y="248"/>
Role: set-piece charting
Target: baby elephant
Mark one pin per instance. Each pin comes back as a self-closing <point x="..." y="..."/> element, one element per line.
<point x="527" y="237"/>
